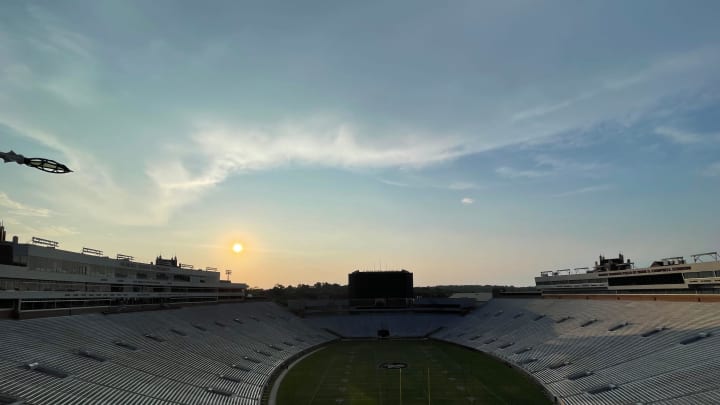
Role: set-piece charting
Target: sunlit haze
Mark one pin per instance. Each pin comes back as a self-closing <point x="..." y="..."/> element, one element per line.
<point x="469" y="142"/>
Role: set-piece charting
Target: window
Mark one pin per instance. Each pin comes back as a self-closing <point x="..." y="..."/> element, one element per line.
<point x="588" y="323"/>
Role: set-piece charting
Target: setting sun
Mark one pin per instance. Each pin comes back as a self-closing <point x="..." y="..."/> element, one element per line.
<point x="237" y="248"/>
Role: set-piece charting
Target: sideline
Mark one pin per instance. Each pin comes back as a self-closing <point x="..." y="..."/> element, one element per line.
<point x="279" y="379"/>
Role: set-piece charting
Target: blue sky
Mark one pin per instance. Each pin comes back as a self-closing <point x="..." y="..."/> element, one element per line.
<point x="470" y="142"/>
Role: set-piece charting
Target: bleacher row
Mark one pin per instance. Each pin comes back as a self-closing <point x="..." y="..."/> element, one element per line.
<point x="221" y="354"/>
<point x="367" y="325"/>
<point x="603" y="352"/>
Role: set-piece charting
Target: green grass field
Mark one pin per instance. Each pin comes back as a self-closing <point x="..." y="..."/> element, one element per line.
<point x="348" y="373"/>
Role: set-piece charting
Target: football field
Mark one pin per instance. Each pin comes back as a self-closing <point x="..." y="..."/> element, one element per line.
<point x="404" y="372"/>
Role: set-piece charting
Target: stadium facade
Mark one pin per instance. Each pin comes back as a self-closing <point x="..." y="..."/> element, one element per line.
<point x="698" y="275"/>
<point x="40" y="279"/>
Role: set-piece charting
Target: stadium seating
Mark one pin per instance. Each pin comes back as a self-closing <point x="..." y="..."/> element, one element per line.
<point x="220" y="354"/>
<point x="582" y="351"/>
<point x="368" y="324"/>
<point x="603" y="352"/>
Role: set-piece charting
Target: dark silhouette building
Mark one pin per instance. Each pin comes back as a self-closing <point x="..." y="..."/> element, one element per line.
<point x="380" y="287"/>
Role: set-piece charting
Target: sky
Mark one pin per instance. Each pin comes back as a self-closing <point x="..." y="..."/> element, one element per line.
<point x="468" y="142"/>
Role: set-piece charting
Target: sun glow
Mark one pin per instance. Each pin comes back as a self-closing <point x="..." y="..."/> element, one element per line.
<point x="237" y="248"/>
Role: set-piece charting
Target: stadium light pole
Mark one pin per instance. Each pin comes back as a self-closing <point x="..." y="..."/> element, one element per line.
<point x="46" y="165"/>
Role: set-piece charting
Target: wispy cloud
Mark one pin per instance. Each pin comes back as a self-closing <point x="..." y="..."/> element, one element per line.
<point x="394" y="183"/>
<point x="66" y="62"/>
<point x="228" y="151"/>
<point x="547" y="165"/>
<point x="22" y="209"/>
<point x="712" y="170"/>
<point x="93" y="189"/>
<point x="464" y="185"/>
<point x="585" y="190"/>
<point x="467" y="201"/>
<point x="685" y="137"/>
<point x="512" y="173"/>
<point x="567" y="165"/>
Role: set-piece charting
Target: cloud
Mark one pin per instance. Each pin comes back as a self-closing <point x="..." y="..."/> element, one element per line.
<point x="512" y="173"/>
<point x="463" y="185"/>
<point x="467" y="201"/>
<point x="394" y="183"/>
<point x="74" y="65"/>
<point x="685" y="137"/>
<point x="227" y="151"/>
<point x="92" y="189"/>
<point x="585" y="190"/>
<point x="546" y="166"/>
<point x="22" y="209"/>
<point x="566" y="165"/>
<point x="712" y="170"/>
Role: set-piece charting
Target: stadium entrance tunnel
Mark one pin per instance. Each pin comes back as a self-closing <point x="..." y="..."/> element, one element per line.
<point x="393" y="366"/>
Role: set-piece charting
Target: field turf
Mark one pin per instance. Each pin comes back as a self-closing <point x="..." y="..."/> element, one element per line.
<point x="349" y="373"/>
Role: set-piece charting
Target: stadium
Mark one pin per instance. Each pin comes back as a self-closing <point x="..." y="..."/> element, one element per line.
<point x="84" y="328"/>
<point x="236" y="202"/>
